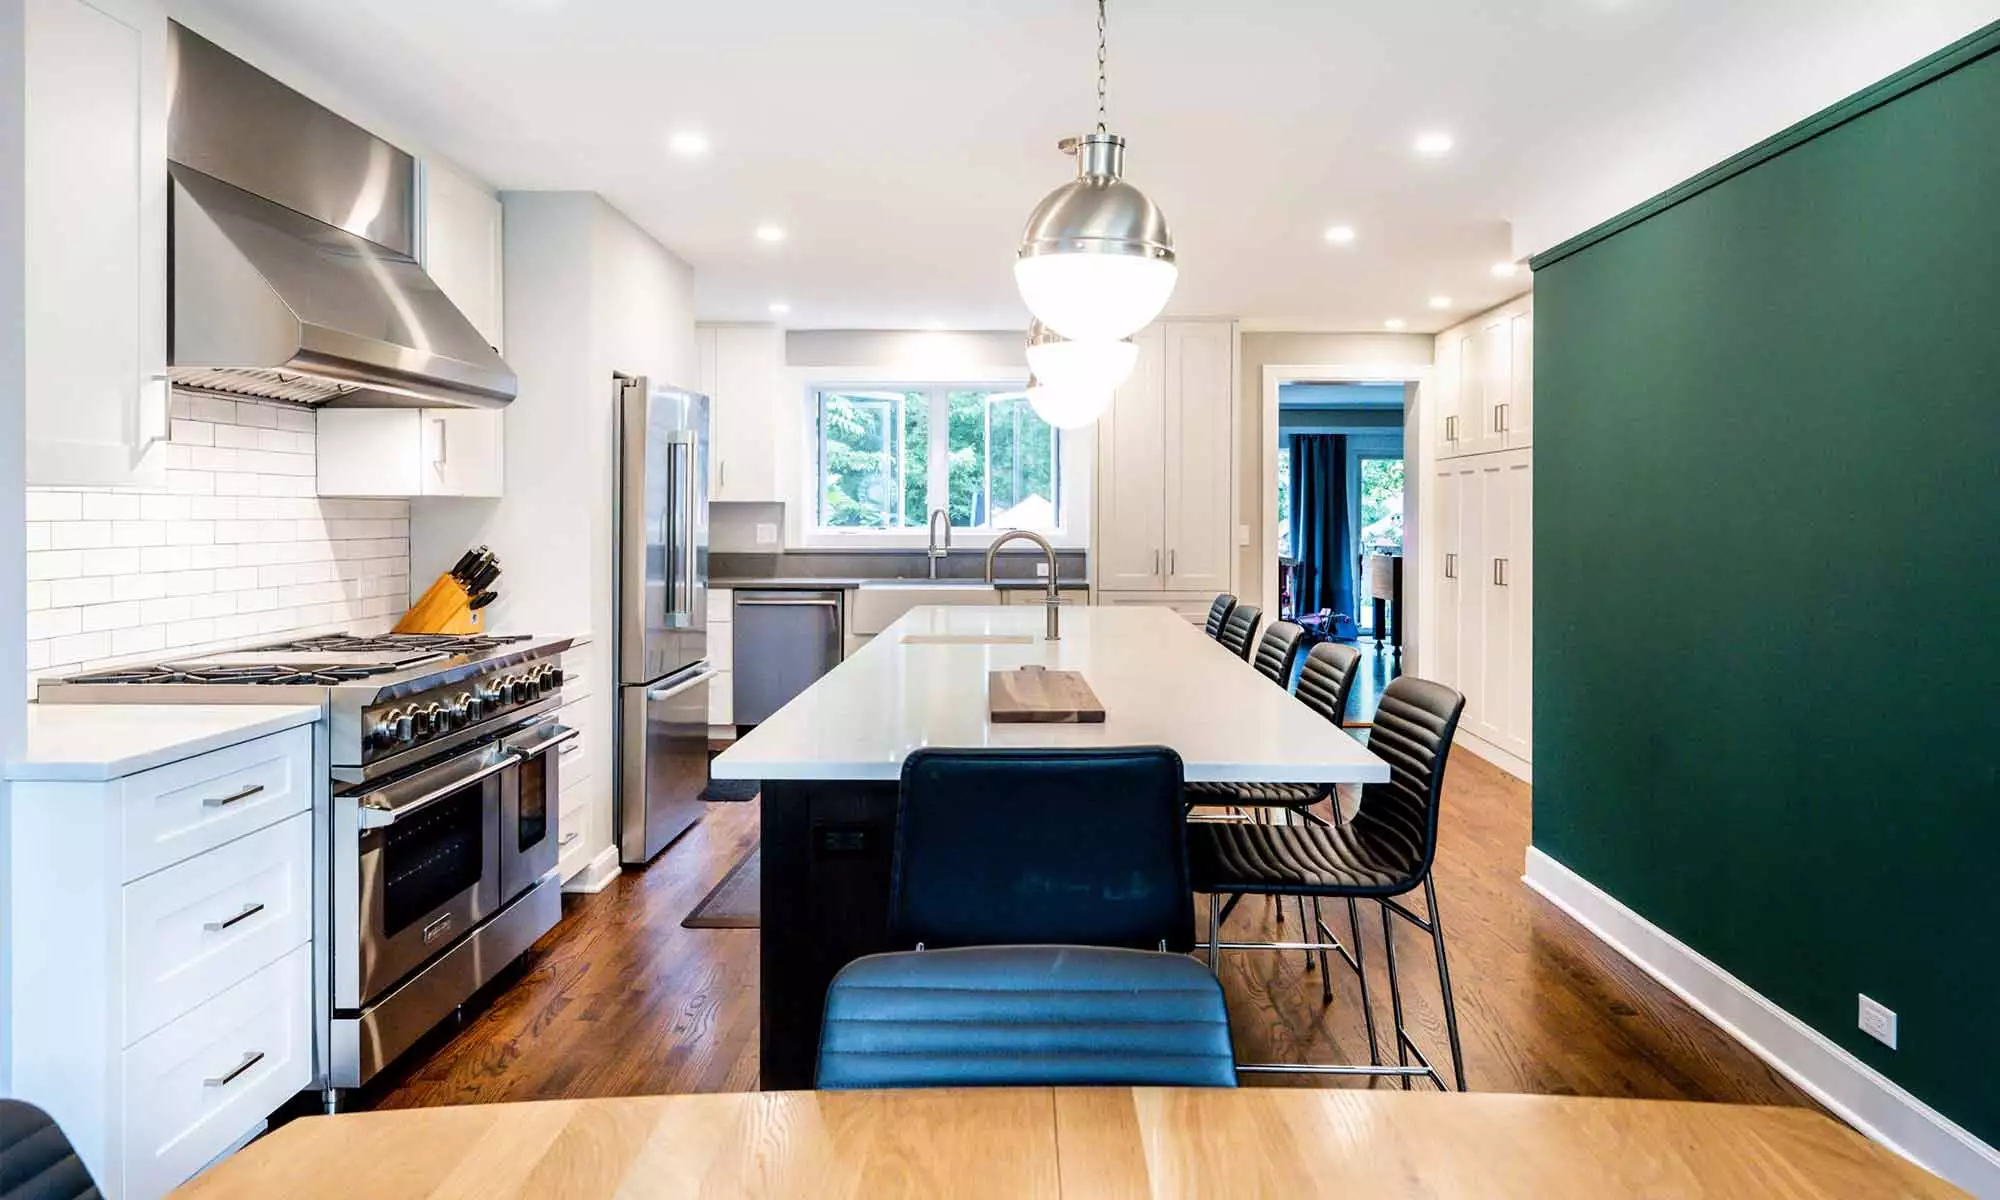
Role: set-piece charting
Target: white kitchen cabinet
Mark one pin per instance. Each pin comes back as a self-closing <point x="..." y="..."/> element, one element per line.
<point x="1164" y="511"/>
<point x="1191" y="607"/>
<point x="462" y="245"/>
<point x="740" y="369"/>
<point x="722" y="656"/>
<point x="95" y="206"/>
<point x="1484" y="381"/>
<point x="410" y="452"/>
<point x="160" y="1001"/>
<point x="1485" y="607"/>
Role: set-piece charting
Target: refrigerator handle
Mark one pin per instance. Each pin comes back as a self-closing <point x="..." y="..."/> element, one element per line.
<point x="690" y="481"/>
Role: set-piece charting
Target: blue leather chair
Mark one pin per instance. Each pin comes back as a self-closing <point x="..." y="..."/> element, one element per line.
<point x="36" y="1161"/>
<point x="1045" y="897"/>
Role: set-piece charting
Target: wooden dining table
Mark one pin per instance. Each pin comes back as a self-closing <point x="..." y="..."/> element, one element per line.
<point x="1096" y="1142"/>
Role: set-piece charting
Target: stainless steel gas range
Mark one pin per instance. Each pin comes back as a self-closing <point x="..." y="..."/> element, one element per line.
<point x="436" y="830"/>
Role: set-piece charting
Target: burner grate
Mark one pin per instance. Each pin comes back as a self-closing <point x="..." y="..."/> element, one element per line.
<point x="275" y="674"/>
<point x="348" y="643"/>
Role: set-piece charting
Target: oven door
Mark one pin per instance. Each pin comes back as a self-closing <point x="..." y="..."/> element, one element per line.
<point x="529" y="800"/>
<point x="426" y="869"/>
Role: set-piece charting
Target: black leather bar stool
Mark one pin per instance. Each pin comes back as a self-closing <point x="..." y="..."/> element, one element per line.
<point x="1384" y="853"/>
<point x="1278" y="652"/>
<point x="37" y="1161"/>
<point x="1045" y="896"/>
<point x="1218" y="612"/>
<point x="1239" y="631"/>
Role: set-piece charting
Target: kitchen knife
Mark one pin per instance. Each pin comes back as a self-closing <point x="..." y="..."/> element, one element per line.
<point x="464" y="564"/>
<point x="483" y="599"/>
<point x="483" y="579"/>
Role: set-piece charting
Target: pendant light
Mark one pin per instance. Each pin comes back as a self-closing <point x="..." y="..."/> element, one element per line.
<point x="1094" y="367"/>
<point x="1065" y="407"/>
<point x="1096" y="263"/>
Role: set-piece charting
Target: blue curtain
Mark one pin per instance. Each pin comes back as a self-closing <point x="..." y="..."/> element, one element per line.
<point x="1325" y="571"/>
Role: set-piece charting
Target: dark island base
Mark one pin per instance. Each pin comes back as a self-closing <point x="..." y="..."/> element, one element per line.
<point x="825" y="900"/>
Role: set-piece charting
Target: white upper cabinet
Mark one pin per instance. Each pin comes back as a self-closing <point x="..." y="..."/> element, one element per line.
<point x="741" y="371"/>
<point x="462" y="246"/>
<point x="95" y="95"/>
<point x="1484" y="381"/>
<point x="432" y="451"/>
<point x="1163" y="464"/>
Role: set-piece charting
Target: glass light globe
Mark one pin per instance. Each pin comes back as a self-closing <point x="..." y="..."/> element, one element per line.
<point x="1095" y="297"/>
<point x="1065" y="407"/>
<point x="1088" y="367"/>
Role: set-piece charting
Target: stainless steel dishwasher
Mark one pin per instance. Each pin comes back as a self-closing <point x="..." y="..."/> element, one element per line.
<point x="784" y="640"/>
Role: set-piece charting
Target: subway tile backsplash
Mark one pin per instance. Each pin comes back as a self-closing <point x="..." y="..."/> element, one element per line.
<point x="238" y="548"/>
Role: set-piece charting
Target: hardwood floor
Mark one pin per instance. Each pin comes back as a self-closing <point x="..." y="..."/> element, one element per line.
<point x="620" y="1000"/>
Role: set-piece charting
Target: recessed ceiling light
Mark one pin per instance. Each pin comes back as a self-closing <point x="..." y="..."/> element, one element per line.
<point x="1506" y="270"/>
<point x="688" y="143"/>
<point x="934" y="324"/>
<point x="770" y="233"/>
<point x="780" y="308"/>
<point x="1340" y="235"/>
<point x="1440" y="301"/>
<point x="1435" y="144"/>
<point x="1394" y="323"/>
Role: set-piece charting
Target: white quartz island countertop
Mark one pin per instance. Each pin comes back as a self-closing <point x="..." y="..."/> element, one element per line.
<point x="1161" y="680"/>
<point x="91" y="742"/>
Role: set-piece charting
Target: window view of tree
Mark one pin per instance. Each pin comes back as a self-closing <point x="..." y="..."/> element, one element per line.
<point x="1285" y="502"/>
<point x="999" y="462"/>
<point x="1381" y="506"/>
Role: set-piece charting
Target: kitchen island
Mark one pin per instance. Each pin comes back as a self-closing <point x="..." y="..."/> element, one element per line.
<point x="829" y="762"/>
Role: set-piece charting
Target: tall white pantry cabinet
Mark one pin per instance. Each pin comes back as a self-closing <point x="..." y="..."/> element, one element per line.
<point x="1482" y="556"/>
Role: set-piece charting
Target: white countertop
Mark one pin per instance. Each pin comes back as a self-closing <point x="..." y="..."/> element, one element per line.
<point x="1162" y="681"/>
<point x="94" y="742"/>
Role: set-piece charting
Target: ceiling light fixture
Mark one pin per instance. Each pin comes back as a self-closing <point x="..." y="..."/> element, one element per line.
<point x="688" y="143"/>
<point x="1433" y="145"/>
<point x="1394" y="324"/>
<point x="1440" y="301"/>
<point x="1087" y="367"/>
<point x="1096" y="262"/>
<point x="1506" y="270"/>
<point x="780" y="308"/>
<point x="1340" y="235"/>
<point x="771" y="233"/>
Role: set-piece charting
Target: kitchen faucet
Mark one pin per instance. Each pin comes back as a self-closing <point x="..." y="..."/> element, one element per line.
<point x="937" y="552"/>
<point x="1054" y="600"/>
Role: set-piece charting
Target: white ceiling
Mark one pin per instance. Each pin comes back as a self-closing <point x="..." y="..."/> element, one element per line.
<point x="902" y="144"/>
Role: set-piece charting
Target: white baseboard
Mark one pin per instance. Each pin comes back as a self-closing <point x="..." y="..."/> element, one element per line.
<point x="1520" y="768"/>
<point x="598" y="874"/>
<point x="1861" y="1095"/>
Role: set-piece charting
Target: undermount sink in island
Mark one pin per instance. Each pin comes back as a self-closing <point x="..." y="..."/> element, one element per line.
<point x="829" y="762"/>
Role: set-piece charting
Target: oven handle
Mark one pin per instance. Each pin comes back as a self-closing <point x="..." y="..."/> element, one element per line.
<point x="550" y="736"/>
<point x="662" y="693"/>
<point x="378" y="818"/>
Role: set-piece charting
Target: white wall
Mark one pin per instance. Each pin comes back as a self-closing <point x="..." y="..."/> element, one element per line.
<point x="13" y="439"/>
<point x="588" y="293"/>
<point x="237" y="549"/>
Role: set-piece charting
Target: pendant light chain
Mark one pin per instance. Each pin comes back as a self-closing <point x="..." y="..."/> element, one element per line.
<point x="1100" y="66"/>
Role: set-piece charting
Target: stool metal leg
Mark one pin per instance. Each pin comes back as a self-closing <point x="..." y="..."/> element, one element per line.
<point x="1325" y="977"/>
<point x="1214" y="932"/>
<point x="1361" y="971"/>
<point x="1307" y="955"/>
<point x="1444" y="982"/>
<point x="1395" y="994"/>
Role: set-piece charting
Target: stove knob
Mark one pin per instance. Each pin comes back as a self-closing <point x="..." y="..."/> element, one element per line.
<point x="520" y="689"/>
<point x="467" y="708"/>
<point x="386" y="732"/>
<point x="555" y="675"/>
<point x="425" y="721"/>
<point x="490" y="696"/>
<point x="545" y="681"/>
<point x="405" y="725"/>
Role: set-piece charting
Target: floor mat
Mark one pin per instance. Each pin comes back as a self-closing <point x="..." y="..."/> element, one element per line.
<point x="735" y="902"/>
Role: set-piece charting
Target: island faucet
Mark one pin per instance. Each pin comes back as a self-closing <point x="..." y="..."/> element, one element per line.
<point x="936" y="551"/>
<point x="1054" y="600"/>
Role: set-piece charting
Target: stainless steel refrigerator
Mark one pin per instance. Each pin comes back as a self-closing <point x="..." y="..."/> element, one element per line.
<point x="661" y="615"/>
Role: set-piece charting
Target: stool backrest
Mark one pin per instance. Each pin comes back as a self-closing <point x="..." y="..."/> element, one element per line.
<point x="36" y="1161"/>
<point x="1239" y="632"/>
<point x="1327" y="679"/>
<point x="1042" y="847"/>
<point x="1413" y="730"/>
<point x="1218" y="612"/>
<point x="1277" y="650"/>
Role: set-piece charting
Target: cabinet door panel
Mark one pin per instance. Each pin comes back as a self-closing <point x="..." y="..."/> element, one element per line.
<point x="1448" y="573"/>
<point x="1131" y="524"/>
<point x="462" y="247"/>
<point x="1450" y="378"/>
<point x="464" y="452"/>
<point x="743" y="411"/>
<point x="1471" y="598"/>
<point x="371" y="452"/>
<point x="1196" y="404"/>
<point x="1518" y="424"/>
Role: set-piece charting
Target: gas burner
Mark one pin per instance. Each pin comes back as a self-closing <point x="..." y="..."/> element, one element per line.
<point x="273" y="674"/>
<point x="348" y="643"/>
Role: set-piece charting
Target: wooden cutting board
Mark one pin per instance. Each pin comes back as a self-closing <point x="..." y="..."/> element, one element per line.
<point x="1037" y="695"/>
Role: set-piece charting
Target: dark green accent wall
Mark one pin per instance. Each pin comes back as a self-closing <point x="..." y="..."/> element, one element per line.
<point x="1767" y="545"/>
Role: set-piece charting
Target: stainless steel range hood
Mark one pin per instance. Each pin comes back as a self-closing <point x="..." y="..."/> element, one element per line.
<point x="294" y="253"/>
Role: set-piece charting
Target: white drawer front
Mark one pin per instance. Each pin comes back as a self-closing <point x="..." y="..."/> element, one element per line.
<point x="575" y="840"/>
<point x="179" y="810"/>
<point x="721" y="608"/>
<point x="188" y="1093"/>
<point x="201" y="925"/>
<point x="722" y="699"/>
<point x="722" y="647"/>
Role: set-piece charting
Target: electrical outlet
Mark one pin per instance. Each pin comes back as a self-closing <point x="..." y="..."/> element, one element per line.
<point x="1041" y="570"/>
<point x="1878" y="1021"/>
<point x="767" y="534"/>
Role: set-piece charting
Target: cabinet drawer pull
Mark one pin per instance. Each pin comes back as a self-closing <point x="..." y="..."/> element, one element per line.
<point x="250" y="1059"/>
<point x="1172" y="567"/>
<point x="1451" y="566"/>
<point x="248" y="911"/>
<point x="1500" y="415"/>
<point x="1500" y="572"/>
<point x="1156" y="562"/>
<point x="569" y="837"/>
<point x="242" y="793"/>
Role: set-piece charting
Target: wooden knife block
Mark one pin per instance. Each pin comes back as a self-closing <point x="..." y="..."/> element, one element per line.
<point x="445" y="608"/>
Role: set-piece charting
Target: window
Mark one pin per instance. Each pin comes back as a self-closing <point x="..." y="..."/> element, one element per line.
<point x="1285" y="502"/>
<point x="888" y="456"/>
